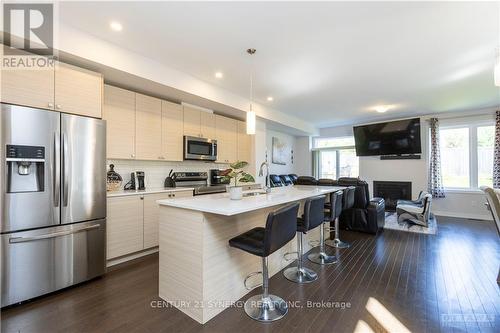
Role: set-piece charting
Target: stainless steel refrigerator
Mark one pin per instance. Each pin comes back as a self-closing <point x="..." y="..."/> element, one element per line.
<point x="53" y="201"/>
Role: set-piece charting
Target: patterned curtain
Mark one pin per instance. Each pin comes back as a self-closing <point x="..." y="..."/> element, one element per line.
<point x="496" y="157"/>
<point x="435" y="186"/>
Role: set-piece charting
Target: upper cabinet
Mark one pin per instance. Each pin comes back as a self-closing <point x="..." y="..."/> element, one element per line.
<point x="192" y="121"/>
<point x="198" y="123"/>
<point x="207" y="125"/>
<point x="78" y="91"/>
<point x="226" y="133"/>
<point x="172" y="131"/>
<point x="244" y="143"/>
<point x="34" y="88"/>
<point x="148" y="127"/>
<point x="62" y="88"/>
<point x="119" y="113"/>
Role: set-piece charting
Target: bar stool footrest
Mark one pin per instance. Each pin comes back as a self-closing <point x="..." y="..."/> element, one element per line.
<point x="289" y="254"/>
<point x="248" y="277"/>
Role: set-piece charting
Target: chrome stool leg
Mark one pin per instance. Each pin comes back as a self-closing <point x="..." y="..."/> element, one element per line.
<point x="336" y="242"/>
<point x="320" y="257"/>
<point x="265" y="307"/>
<point x="300" y="274"/>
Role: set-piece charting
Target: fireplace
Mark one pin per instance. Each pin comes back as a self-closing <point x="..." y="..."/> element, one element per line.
<point x="391" y="192"/>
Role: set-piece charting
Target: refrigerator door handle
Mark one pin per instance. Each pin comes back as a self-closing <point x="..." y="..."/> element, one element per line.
<point x="57" y="169"/>
<point x="65" y="170"/>
<point x="14" y="240"/>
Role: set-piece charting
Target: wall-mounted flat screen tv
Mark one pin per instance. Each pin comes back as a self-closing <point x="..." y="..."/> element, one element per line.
<point x="399" y="137"/>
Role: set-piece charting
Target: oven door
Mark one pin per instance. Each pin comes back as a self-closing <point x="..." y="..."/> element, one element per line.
<point x="200" y="149"/>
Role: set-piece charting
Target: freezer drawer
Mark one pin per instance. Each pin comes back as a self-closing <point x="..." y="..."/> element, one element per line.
<point x="44" y="260"/>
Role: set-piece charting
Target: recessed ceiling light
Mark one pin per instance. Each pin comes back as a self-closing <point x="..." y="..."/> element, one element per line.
<point x="270" y="99"/>
<point x="219" y="75"/>
<point x="382" y="108"/>
<point x="116" y="26"/>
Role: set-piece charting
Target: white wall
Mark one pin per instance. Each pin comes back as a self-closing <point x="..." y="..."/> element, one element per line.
<point x="469" y="204"/>
<point x="303" y="158"/>
<point x="290" y="142"/>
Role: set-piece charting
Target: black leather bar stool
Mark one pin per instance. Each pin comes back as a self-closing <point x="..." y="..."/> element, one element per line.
<point x="281" y="226"/>
<point x="347" y="203"/>
<point x="335" y="208"/>
<point x="312" y="218"/>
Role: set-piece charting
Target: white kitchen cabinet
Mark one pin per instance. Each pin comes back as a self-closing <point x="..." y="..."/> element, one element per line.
<point x="244" y="151"/>
<point x="60" y="87"/>
<point x="148" y="126"/>
<point x="78" y="91"/>
<point x="132" y="222"/>
<point x="198" y="123"/>
<point x="28" y="87"/>
<point x="151" y="214"/>
<point x="172" y="131"/>
<point x="124" y="230"/>
<point x="226" y="133"/>
<point x="119" y="113"/>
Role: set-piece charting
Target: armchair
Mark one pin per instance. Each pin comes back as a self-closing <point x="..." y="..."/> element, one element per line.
<point x="417" y="213"/>
<point x="366" y="215"/>
<point x="306" y="180"/>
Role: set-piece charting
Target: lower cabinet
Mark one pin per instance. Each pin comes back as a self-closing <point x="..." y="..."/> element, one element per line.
<point x="124" y="225"/>
<point x="152" y="212"/>
<point x="132" y="222"/>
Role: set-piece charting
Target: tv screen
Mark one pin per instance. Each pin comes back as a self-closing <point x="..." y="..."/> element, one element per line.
<point x="390" y="138"/>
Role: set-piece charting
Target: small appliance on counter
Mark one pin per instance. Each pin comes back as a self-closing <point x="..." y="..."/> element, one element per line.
<point x="197" y="180"/>
<point x="113" y="179"/>
<point x="216" y="177"/>
<point x="137" y="181"/>
<point x="170" y="180"/>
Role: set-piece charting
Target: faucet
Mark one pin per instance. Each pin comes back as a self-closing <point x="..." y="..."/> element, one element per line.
<point x="267" y="187"/>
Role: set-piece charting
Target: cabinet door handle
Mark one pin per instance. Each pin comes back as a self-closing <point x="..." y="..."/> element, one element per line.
<point x="50" y="105"/>
<point x="58" y="106"/>
<point x="132" y="155"/>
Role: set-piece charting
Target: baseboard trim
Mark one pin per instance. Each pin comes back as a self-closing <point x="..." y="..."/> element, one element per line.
<point x="132" y="256"/>
<point x="462" y="215"/>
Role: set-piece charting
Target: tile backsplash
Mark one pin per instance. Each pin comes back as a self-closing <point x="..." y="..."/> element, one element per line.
<point x="157" y="171"/>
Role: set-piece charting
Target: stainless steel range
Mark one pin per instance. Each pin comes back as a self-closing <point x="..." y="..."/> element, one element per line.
<point x="199" y="181"/>
<point x="53" y="201"/>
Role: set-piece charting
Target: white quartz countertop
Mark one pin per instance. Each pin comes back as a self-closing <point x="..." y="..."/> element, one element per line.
<point x="122" y="193"/>
<point x="221" y="203"/>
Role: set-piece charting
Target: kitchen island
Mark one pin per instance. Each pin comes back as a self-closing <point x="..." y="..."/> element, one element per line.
<point x="199" y="273"/>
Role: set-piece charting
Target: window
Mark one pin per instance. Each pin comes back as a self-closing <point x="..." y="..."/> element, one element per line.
<point x="467" y="155"/>
<point x="485" y="146"/>
<point x="335" y="157"/>
<point x="455" y="157"/>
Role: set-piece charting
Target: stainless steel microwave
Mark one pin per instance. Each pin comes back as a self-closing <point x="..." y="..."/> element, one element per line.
<point x="200" y="149"/>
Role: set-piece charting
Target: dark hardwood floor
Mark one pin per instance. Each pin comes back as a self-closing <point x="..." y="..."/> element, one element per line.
<point x="427" y="283"/>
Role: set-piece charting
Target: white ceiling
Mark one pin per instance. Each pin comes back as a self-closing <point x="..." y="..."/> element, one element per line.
<point x="326" y="63"/>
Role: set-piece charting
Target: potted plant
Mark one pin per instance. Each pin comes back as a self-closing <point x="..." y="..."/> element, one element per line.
<point x="235" y="172"/>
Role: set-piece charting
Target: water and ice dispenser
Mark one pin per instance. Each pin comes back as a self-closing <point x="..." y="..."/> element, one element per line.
<point x="25" y="168"/>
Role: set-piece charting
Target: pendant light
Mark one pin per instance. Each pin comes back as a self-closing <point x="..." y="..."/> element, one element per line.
<point x="251" y="112"/>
